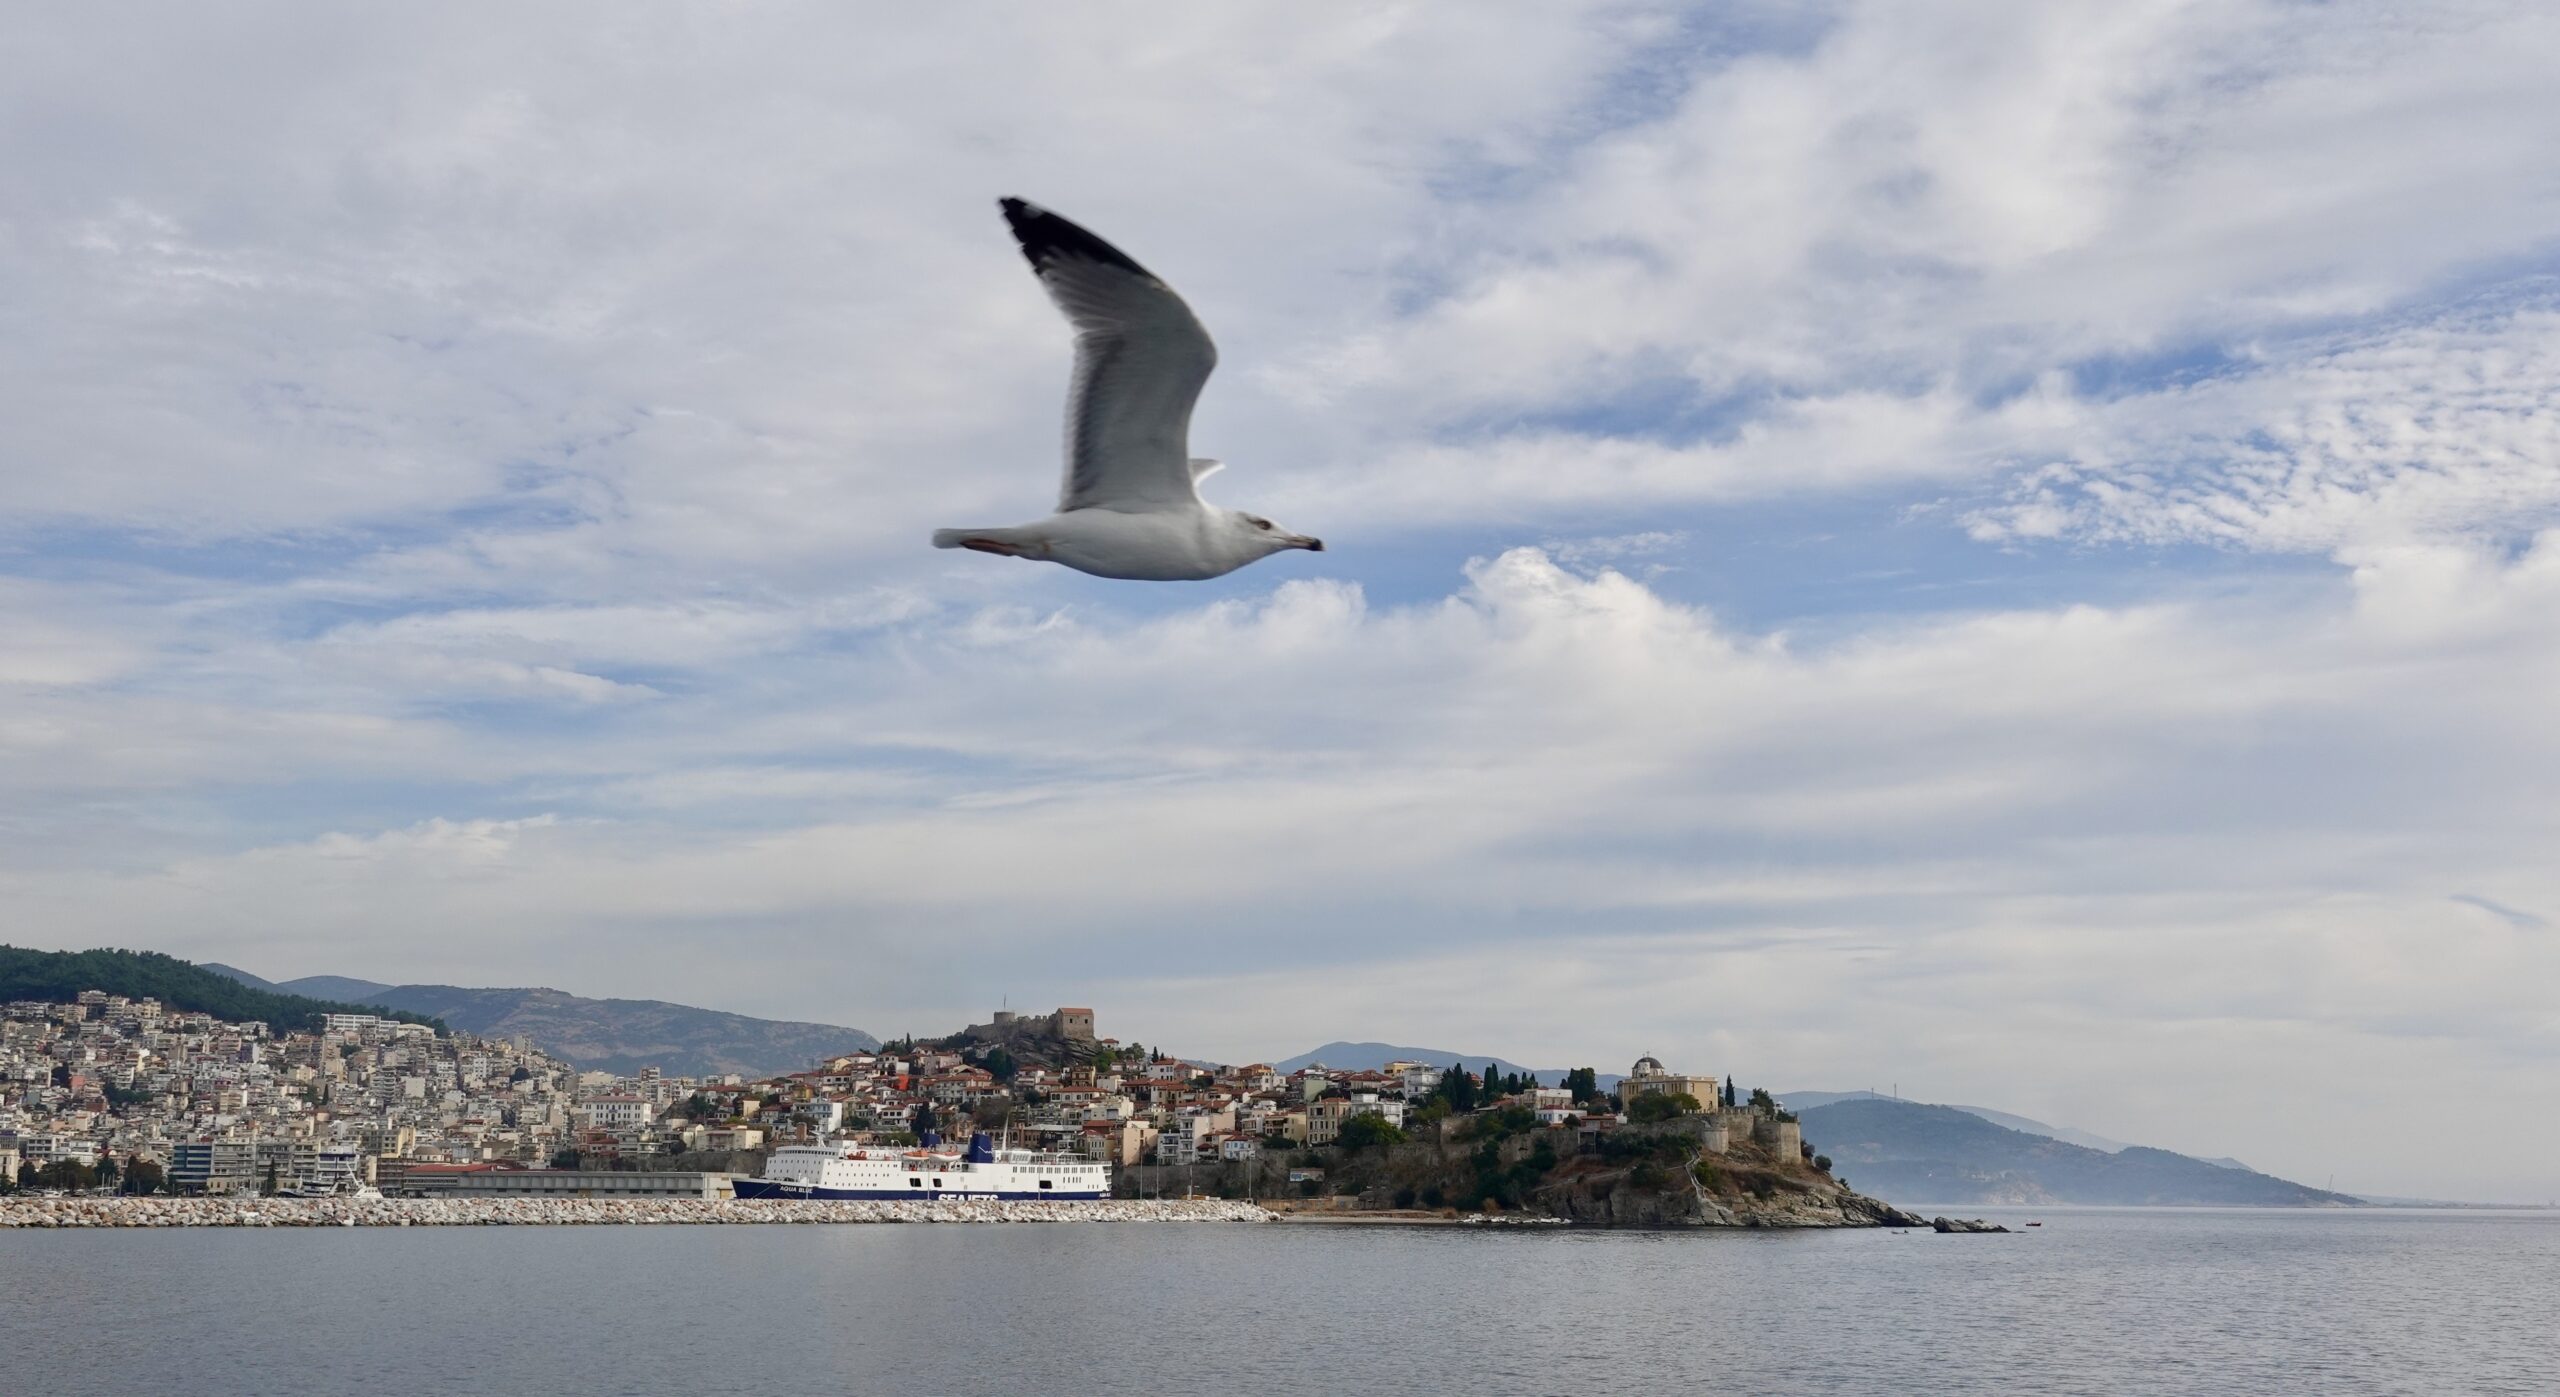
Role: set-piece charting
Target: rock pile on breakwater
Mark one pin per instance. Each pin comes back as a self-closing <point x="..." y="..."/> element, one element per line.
<point x="554" y="1212"/>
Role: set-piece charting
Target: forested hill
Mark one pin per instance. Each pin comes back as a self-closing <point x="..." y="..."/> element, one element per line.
<point x="58" y="977"/>
<point x="1920" y="1155"/>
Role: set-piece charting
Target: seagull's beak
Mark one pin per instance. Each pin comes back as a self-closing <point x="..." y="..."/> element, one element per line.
<point x="1312" y="545"/>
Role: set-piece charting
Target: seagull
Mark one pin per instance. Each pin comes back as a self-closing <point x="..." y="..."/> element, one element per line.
<point x="1130" y="506"/>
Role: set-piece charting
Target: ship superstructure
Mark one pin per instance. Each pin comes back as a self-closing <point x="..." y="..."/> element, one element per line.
<point x="927" y="1170"/>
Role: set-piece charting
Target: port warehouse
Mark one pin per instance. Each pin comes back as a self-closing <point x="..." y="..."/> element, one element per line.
<point x="493" y="1181"/>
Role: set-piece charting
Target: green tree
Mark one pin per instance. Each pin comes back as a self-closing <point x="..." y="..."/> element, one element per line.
<point x="1000" y="1064"/>
<point x="1761" y="1100"/>
<point x="1460" y="1088"/>
<point x="1584" y="1083"/>
<point x="27" y="1173"/>
<point x="67" y="1173"/>
<point x="1662" y="1106"/>
<point x="144" y="1176"/>
<point x="925" y="1119"/>
<point x="1365" y="1130"/>
<point x="107" y="1171"/>
<point x="58" y="977"/>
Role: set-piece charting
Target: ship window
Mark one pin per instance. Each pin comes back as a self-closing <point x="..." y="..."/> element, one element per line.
<point x="937" y="1183"/>
<point x="1044" y="1183"/>
<point x="915" y="1183"/>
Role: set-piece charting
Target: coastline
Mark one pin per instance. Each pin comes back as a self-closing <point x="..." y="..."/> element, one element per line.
<point x="113" y="1212"/>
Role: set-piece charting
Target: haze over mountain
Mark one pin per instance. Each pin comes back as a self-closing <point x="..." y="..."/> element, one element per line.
<point x="1369" y="1057"/>
<point x="1917" y="1154"/>
<point x="610" y="1035"/>
<point x="1807" y="1100"/>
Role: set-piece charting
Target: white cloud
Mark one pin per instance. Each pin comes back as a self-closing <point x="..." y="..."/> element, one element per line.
<point x="1749" y="846"/>
<point x="2441" y="430"/>
<point x="465" y="487"/>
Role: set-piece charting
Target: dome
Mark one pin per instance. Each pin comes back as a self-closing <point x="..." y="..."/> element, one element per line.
<point x="1646" y="1067"/>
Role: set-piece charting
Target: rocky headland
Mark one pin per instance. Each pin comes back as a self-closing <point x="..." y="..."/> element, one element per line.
<point x="1729" y="1169"/>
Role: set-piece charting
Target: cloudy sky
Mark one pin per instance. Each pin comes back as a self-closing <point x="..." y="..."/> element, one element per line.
<point x="2006" y="548"/>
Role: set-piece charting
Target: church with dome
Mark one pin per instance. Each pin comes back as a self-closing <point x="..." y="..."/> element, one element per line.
<point x="1649" y="1077"/>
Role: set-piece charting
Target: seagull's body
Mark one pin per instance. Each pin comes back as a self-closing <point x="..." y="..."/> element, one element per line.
<point x="1131" y="505"/>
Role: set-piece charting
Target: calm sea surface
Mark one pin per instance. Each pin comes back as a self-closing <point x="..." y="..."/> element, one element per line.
<point x="2093" y="1301"/>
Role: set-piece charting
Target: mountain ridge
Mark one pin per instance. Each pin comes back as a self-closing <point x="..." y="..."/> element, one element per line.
<point x="1369" y="1057"/>
<point x="1949" y="1155"/>
<point x="620" y="1036"/>
<point x="60" y="976"/>
<point x="1808" y="1100"/>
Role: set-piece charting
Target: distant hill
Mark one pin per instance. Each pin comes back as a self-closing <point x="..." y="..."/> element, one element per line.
<point x="340" y="987"/>
<point x="606" y="1035"/>
<point x="1808" y="1100"/>
<point x="235" y="973"/>
<point x="58" y="977"/>
<point x="1916" y="1154"/>
<point x="1369" y="1057"/>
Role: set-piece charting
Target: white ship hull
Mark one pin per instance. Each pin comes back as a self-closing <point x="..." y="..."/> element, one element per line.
<point x="832" y="1172"/>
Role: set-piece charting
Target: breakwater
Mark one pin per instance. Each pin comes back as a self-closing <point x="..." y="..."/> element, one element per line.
<point x="564" y="1212"/>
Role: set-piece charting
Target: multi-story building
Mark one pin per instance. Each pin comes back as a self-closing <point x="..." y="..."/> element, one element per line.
<point x="213" y="1166"/>
<point x="617" y="1114"/>
<point x="1648" y="1077"/>
<point x="1191" y="1134"/>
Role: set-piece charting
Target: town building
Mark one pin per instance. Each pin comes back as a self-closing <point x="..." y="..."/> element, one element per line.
<point x="1649" y="1077"/>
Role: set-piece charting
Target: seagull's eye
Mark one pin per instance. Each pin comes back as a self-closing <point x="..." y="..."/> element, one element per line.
<point x="1262" y="523"/>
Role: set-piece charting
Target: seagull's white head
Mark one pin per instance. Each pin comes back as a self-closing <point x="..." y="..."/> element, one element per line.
<point x="1263" y="538"/>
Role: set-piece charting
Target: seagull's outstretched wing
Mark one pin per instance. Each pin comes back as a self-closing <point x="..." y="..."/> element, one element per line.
<point x="1141" y="357"/>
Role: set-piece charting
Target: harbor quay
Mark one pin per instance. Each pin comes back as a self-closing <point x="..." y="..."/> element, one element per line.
<point x="166" y="1211"/>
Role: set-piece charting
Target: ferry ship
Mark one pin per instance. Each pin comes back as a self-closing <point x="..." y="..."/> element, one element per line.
<point x="929" y="1170"/>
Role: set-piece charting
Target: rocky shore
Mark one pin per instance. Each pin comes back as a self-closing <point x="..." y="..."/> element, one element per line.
<point x="554" y="1212"/>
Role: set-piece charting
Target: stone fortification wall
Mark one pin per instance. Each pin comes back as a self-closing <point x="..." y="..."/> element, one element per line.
<point x="1784" y="1139"/>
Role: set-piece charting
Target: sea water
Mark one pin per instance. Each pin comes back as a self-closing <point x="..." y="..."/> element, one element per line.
<point x="2093" y="1301"/>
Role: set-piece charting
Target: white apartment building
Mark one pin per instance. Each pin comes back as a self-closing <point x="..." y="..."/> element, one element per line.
<point x="619" y="1114"/>
<point x="1192" y="1135"/>
<point x="1369" y="1103"/>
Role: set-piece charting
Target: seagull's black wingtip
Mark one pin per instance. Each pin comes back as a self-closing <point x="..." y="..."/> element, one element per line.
<point x="1045" y="237"/>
